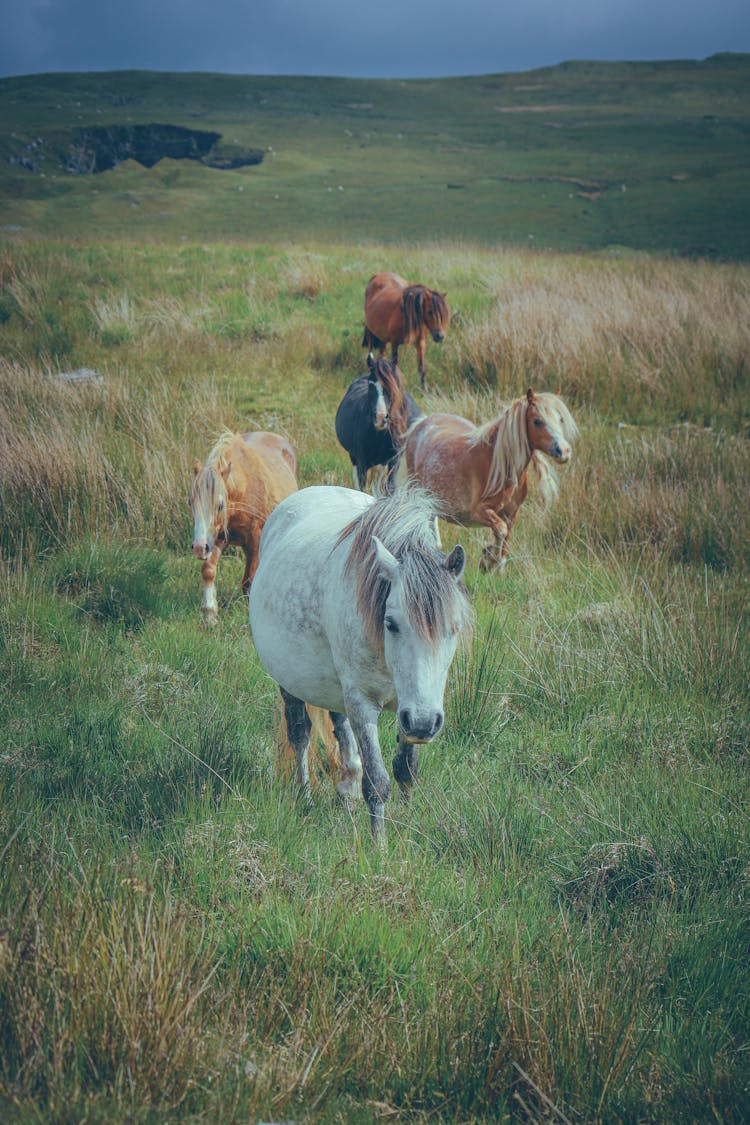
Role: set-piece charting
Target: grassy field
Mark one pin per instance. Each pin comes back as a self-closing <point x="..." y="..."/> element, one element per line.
<point x="558" y="930"/>
<point x="649" y="156"/>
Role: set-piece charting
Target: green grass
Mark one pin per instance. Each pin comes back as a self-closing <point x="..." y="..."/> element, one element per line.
<point x="558" y="928"/>
<point x="650" y="156"/>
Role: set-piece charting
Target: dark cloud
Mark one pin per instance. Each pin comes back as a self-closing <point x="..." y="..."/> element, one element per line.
<point x="340" y="37"/>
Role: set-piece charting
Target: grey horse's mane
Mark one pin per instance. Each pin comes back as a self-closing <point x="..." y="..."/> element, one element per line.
<point x="405" y="523"/>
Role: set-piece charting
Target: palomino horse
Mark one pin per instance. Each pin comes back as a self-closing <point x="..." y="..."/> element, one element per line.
<point x="354" y="609"/>
<point x="479" y="474"/>
<point x="399" y="313"/>
<point x="372" y="418"/>
<point x="244" y="478"/>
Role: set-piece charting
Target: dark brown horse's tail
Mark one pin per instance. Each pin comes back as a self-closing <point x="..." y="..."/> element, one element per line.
<point x="371" y="341"/>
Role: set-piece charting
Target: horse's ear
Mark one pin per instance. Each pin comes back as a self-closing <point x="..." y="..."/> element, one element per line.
<point x="456" y="561"/>
<point x="530" y="396"/>
<point x="386" y="561"/>
<point x="197" y="466"/>
<point x="226" y="469"/>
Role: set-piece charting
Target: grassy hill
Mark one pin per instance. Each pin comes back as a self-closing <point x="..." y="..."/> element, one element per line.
<point x="651" y="156"/>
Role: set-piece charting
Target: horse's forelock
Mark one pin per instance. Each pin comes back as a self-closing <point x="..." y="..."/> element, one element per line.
<point x="440" y="311"/>
<point x="547" y="404"/>
<point x="404" y="523"/>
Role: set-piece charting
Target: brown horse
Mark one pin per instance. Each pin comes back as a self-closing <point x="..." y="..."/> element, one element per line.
<point x="399" y="313"/>
<point x="479" y="474"/>
<point x="244" y="478"/>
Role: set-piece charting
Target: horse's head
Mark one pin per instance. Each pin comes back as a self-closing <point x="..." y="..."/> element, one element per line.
<point x="425" y="610"/>
<point x="208" y="499"/>
<point x="436" y="314"/>
<point x="549" y="426"/>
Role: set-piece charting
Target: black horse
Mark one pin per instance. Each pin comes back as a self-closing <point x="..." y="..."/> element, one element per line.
<point x="373" y="417"/>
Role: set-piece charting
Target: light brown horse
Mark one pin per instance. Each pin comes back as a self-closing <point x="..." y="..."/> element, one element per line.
<point x="479" y="474"/>
<point x="244" y="478"/>
<point x="399" y="313"/>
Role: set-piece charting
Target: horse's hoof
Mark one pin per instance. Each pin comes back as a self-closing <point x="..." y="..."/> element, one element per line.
<point x="350" y="789"/>
<point x="210" y="618"/>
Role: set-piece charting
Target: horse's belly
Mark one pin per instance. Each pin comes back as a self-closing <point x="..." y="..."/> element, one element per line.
<point x="308" y="674"/>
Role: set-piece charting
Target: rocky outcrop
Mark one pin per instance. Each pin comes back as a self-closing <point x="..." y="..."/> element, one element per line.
<point x="99" y="148"/>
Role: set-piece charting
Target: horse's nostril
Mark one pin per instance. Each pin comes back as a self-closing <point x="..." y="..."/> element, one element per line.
<point x="404" y="719"/>
<point x="438" y="723"/>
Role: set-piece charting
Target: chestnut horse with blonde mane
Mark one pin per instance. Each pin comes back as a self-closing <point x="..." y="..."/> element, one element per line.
<point x="479" y="474"/>
<point x="399" y="313"/>
<point x="233" y="494"/>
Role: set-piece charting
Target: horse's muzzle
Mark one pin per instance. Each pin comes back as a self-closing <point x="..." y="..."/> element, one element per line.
<point x="200" y="550"/>
<point x="438" y="337"/>
<point x="422" y="729"/>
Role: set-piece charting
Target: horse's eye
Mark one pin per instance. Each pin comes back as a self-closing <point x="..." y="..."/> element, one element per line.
<point x="537" y="421"/>
<point x="391" y="625"/>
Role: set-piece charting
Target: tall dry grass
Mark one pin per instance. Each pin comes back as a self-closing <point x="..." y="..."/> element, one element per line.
<point x="659" y="338"/>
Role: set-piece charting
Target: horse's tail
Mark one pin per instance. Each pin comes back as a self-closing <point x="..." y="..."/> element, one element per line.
<point x="323" y="755"/>
<point x="371" y="341"/>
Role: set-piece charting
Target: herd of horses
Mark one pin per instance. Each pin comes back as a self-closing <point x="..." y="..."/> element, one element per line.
<point x="353" y="606"/>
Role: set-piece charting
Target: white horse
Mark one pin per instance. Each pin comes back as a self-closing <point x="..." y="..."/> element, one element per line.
<point x="355" y="610"/>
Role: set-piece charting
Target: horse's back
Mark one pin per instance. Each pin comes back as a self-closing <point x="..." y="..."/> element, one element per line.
<point x="438" y="454"/>
<point x="308" y="522"/>
<point x="270" y="464"/>
<point x="299" y="566"/>
<point x="380" y="282"/>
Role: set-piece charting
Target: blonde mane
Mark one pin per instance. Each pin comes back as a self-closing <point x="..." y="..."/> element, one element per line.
<point x="511" y="452"/>
<point x="217" y="458"/>
<point x="209" y="483"/>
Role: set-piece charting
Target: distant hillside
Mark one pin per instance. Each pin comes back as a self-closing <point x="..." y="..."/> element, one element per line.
<point x="585" y="155"/>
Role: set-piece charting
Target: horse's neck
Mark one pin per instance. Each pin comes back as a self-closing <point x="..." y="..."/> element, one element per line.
<point x="511" y="452"/>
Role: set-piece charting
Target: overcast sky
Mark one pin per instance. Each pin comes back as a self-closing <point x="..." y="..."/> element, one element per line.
<point x="377" y="38"/>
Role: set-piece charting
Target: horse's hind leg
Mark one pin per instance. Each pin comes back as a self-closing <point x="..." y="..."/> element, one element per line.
<point x="298" y="727"/>
<point x="350" y="784"/>
<point x="405" y="767"/>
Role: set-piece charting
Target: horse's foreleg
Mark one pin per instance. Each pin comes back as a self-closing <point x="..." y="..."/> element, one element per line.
<point x="376" y="785"/>
<point x="405" y="767"/>
<point x="495" y="556"/>
<point x="420" y="361"/>
<point x="298" y="727"/>
<point x="359" y="476"/>
<point x="350" y="784"/>
<point x="251" y="557"/>
<point x="208" y="574"/>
